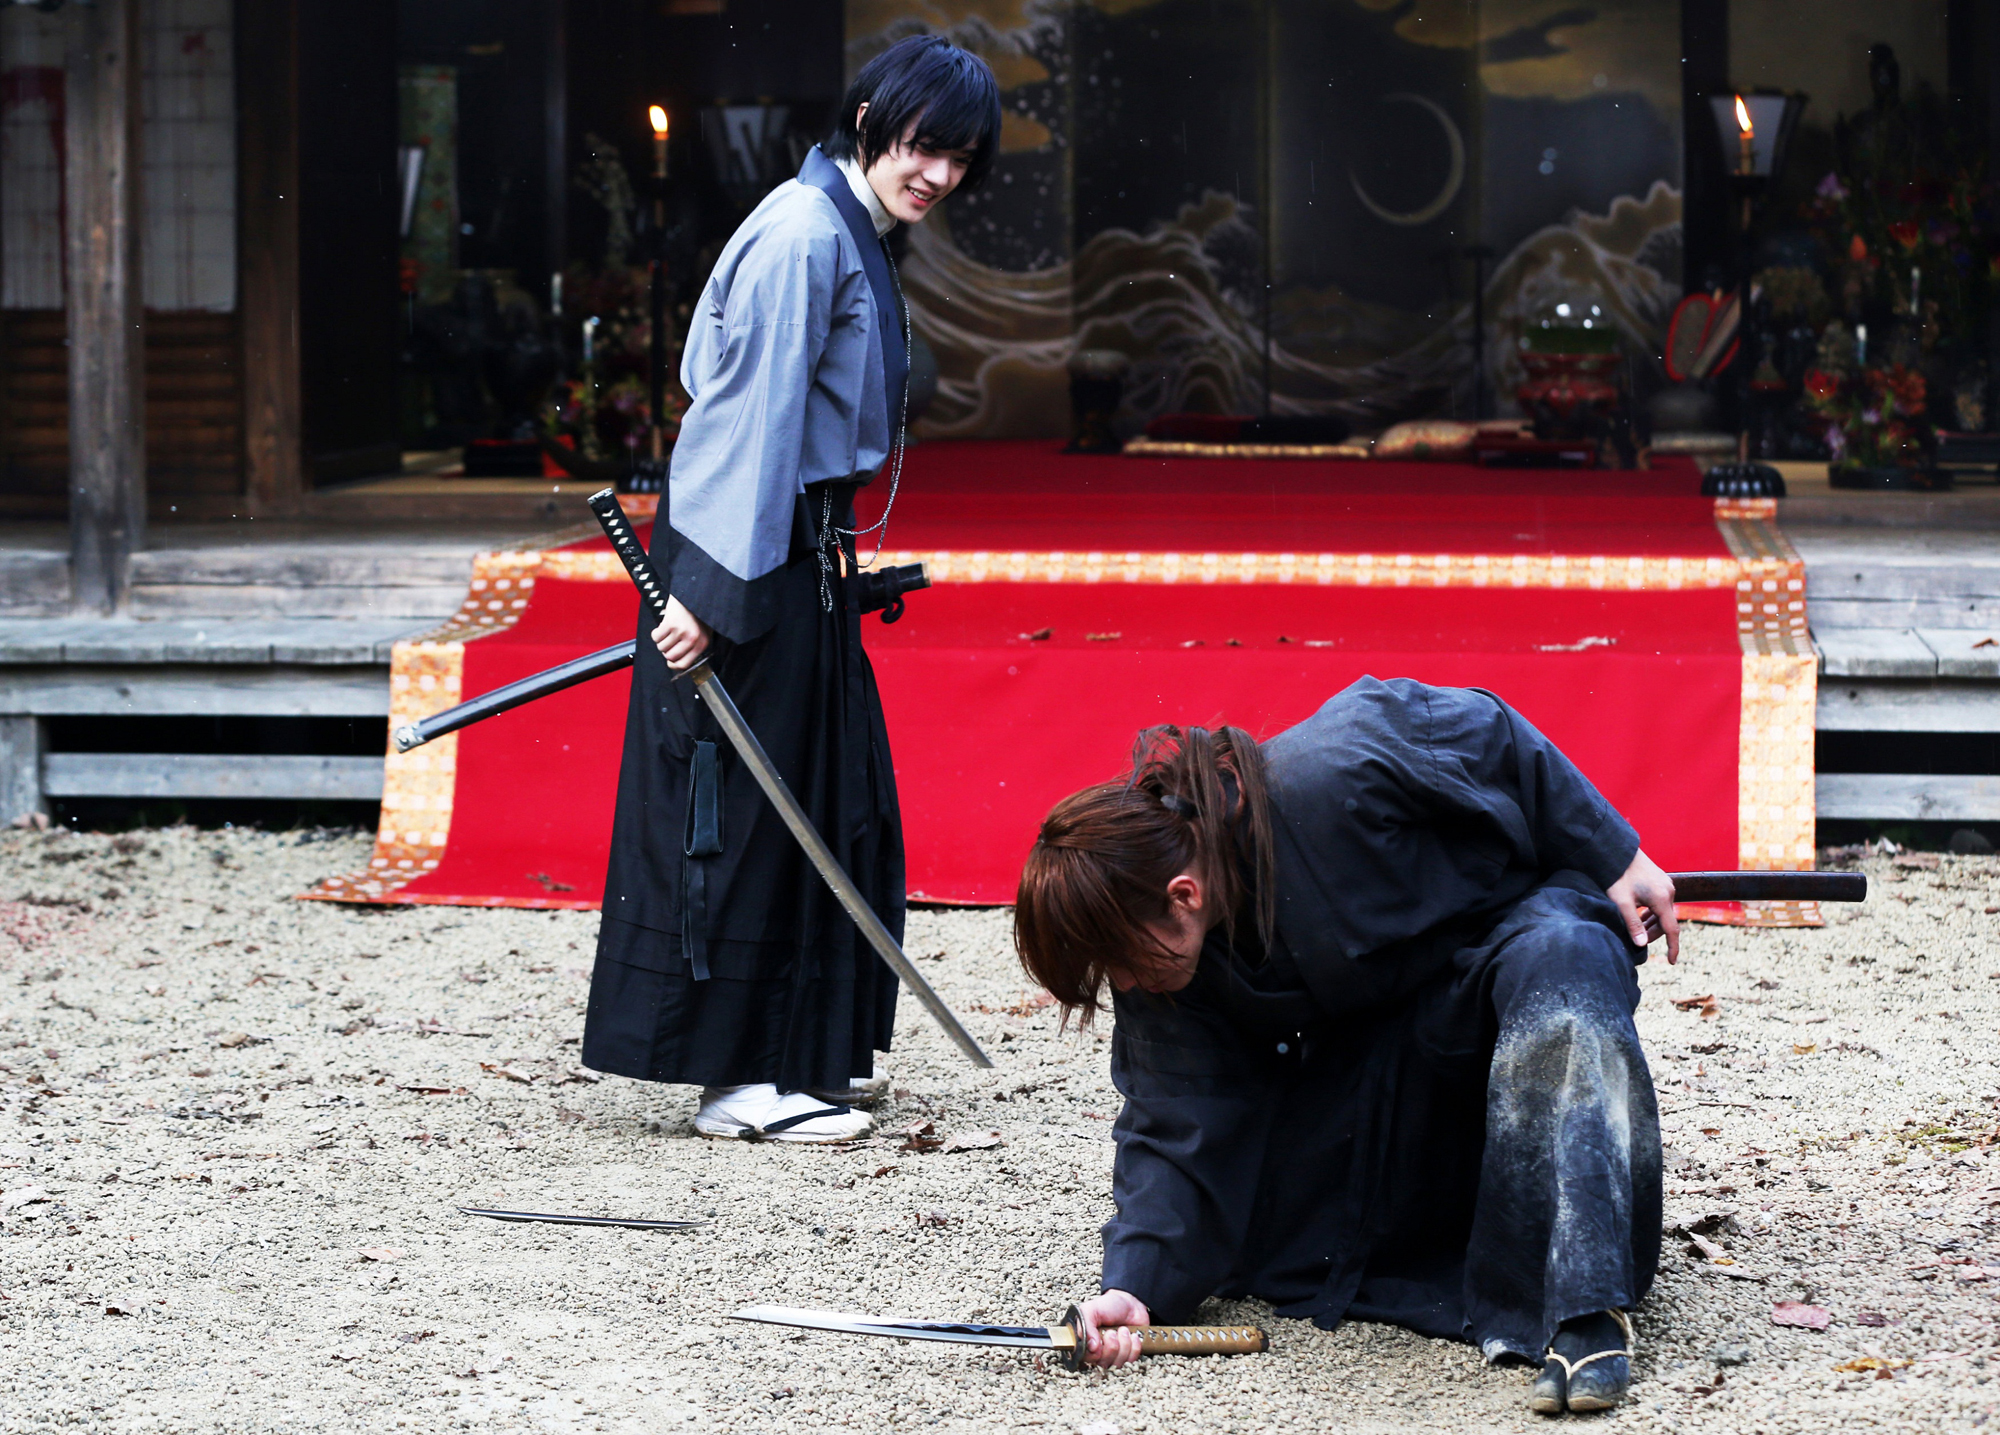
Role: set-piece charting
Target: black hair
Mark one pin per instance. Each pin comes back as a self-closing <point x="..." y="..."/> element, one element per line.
<point x="948" y="93"/>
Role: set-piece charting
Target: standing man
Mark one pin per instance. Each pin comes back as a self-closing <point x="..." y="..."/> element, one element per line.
<point x="722" y="960"/>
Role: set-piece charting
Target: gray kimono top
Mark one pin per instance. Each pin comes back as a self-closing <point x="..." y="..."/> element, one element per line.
<point x="792" y="374"/>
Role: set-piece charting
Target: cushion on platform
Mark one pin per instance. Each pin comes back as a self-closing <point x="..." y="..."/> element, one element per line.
<point x="1432" y="439"/>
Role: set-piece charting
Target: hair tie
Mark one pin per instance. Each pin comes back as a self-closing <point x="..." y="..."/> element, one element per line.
<point x="1179" y="806"/>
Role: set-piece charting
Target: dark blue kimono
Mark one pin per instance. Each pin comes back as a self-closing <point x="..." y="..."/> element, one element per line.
<point x="1427" y="1104"/>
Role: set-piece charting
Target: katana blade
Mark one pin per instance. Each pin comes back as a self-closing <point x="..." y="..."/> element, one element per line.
<point x="1029" y="1337"/>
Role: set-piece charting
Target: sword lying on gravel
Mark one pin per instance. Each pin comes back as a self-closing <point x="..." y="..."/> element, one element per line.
<point x="555" y="1219"/>
<point x="708" y="687"/>
<point x="1065" y="1340"/>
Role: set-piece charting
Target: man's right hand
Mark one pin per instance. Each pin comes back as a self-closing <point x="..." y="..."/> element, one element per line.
<point x="1110" y="1328"/>
<point x="681" y="637"/>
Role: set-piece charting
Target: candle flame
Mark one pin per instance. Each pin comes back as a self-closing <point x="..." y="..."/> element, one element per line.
<point x="1743" y="116"/>
<point x="659" y="118"/>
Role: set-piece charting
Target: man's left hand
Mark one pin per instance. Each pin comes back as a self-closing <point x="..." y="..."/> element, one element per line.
<point x="1645" y="895"/>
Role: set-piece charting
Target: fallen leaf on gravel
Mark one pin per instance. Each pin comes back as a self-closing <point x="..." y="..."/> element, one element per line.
<point x="1804" y="1048"/>
<point x="1871" y="1362"/>
<point x="494" y="1069"/>
<point x="381" y="1253"/>
<point x="121" y="1310"/>
<point x="1917" y="861"/>
<point x="1703" y="1004"/>
<point x="1871" y="1317"/>
<point x="1711" y="1130"/>
<point x="434" y="1090"/>
<point x="972" y="1141"/>
<point x="1969" y="1274"/>
<point x="23" y="1196"/>
<point x="1709" y="1248"/>
<point x="881" y="1171"/>
<point x="921" y="1143"/>
<point x="567" y="1116"/>
<point x="1801" y="1315"/>
<point x="933" y="1218"/>
<point x="917" y="1128"/>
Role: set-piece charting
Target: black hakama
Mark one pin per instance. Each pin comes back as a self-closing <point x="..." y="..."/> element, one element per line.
<point x="723" y="959"/>
<point x="1427" y="1104"/>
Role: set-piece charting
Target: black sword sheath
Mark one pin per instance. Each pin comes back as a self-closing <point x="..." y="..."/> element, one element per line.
<point x="881" y="591"/>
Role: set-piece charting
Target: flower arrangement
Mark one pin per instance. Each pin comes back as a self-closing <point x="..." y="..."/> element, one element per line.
<point x="1874" y="418"/>
<point x="1911" y="221"/>
<point x="605" y="414"/>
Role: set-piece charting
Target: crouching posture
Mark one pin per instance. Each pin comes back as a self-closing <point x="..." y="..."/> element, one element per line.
<point x="1373" y="987"/>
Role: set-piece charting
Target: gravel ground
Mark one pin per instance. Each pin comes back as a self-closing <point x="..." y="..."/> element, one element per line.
<point x="234" y="1129"/>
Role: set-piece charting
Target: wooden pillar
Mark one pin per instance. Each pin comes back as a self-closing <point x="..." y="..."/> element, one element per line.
<point x="1707" y="228"/>
<point x="107" y="336"/>
<point x="267" y="68"/>
<point x="555" y="142"/>
<point x="21" y="768"/>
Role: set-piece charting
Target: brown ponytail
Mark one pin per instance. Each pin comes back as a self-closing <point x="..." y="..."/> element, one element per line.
<point x="1100" y="866"/>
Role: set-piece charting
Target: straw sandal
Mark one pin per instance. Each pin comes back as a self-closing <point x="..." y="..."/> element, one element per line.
<point x="1581" y="1386"/>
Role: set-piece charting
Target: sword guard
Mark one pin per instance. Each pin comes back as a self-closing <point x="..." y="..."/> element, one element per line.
<point x="1068" y="1340"/>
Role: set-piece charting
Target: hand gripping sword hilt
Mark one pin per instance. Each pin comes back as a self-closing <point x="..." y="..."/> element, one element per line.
<point x="625" y="543"/>
<point x="1163" y="1340"/>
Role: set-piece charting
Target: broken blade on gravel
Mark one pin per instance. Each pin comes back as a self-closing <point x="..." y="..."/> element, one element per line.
<point x="562" y="1220"/>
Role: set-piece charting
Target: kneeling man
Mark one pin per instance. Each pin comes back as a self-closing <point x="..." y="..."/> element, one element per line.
<point x="1373" y="985"/>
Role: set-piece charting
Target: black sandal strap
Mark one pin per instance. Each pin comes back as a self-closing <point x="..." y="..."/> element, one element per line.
<point x="790" y="1121"/>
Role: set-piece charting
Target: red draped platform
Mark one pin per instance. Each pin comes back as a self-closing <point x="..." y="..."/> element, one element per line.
<point x="1657" y="636"/>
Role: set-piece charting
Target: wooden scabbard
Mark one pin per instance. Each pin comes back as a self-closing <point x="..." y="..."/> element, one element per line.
<point x="1770" y="886"/>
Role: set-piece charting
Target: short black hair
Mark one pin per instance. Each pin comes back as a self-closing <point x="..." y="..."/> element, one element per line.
<point x="948" y="93"/>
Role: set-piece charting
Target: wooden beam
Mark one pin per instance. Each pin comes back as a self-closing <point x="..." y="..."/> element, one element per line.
<point x="181" y="774"/>
<point x="267" y="98"/>
<point x="107" y="337"/>
<point x="196" y="690"/>
<point x="1907" y="797"/>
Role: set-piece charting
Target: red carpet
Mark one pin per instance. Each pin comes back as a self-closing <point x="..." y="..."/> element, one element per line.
<point x="1603" y="605"/>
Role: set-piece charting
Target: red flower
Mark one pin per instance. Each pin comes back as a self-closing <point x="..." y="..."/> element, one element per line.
<point x="1822" y="385"/>
<point x="1857" y="251"/>
<point x="1906" y="233"/>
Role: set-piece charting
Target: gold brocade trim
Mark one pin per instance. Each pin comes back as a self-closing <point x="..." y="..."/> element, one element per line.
<point x="426" y="675"/>
<point x="1177" y="448"/>
<point x="1775" y="821"/>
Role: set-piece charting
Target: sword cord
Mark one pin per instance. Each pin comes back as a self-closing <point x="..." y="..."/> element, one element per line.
<point x="896" y="447"/>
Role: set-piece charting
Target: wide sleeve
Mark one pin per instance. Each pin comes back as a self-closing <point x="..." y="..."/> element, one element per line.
<point x="1489" y="760"/>
<point x="735" y="480"/>
<point x="1400" y="806"/>
<point x="1191" y="1141"/>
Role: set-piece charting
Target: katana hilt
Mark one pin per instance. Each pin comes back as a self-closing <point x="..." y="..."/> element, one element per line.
<point x="1073" y="1344"/>
<point x="625" y="543"/>
<point x="883" y="589"/>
